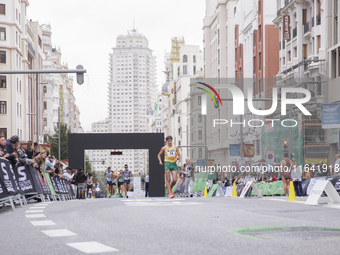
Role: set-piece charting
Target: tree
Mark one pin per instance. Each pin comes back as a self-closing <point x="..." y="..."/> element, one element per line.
<point x="53" y="140"/>
<point x="88" y="168"/>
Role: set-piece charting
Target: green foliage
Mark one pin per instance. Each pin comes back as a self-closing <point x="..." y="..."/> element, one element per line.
<point x="53" y="140"/>
<point x="88" y="168"/>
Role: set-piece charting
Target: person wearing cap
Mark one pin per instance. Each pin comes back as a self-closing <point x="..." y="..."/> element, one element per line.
<point x="22" y="155"/>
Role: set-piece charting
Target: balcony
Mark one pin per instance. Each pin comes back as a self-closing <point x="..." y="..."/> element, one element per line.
<point x="318" y="20"/>
<point x="294" y="32"/>
<point x="279" y="12"/>
<point x="307" y="27"/>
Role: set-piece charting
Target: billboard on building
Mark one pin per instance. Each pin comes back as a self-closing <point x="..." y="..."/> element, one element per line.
<point x="286" y="27"/>
<point x="330" y="116"/>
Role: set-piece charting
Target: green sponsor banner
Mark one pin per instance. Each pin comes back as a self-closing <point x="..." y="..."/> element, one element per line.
<point x="174" y="187"/>
<point x="200" y="181"/>
<point x="270" y="188"/>
<point x="278" y="188"/>
<point x="47" y="177"/>
<point x="212" y="190"/>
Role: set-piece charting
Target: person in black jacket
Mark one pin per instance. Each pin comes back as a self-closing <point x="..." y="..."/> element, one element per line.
<point x="81" y="179"/>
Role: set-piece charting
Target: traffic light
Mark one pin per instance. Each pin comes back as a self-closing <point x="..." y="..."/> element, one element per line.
<point x="285" y="146"/>
<point x="80" y="76"/>
<point x="217" y="105"/>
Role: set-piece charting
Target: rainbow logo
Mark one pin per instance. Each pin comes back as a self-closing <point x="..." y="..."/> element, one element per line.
<point x="213" y="90"/>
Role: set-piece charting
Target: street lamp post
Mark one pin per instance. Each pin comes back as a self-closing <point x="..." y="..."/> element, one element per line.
<point x="59" y="131"/>
<point x="80" y="80"/>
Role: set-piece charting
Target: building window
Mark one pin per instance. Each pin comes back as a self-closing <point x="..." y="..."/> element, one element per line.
<point x="194" y="70"/>
<point x="179" y="131"/>
<point x="45" y="122"/>
<point x="3" y="56"/>
<point x="39" y="42"/>
<point x="45" y="89"/>
<point x="194" y="59"/>
<point x="2" y="81"/>
<point x="45" y="138"/>
<point x="179" y="119"/>
<point x="2" y="33"/>
<point x="200" y="134"/>
<point x="3" y="107"/>
<point x="200" y="152"/>
<point x="185" y="70"/>
<point x="3" y="9"/>
<point x="185" y="58"/>
<point x="199" y="118"/>
<point x="199" y="100"/>
<point x="45" y="105"/>
<point x="3" y="131"/>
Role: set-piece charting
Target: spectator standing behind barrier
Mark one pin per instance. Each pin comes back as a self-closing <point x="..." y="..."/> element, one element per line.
<point x="3" y="153"/>
<point x="29" y="149"/>
<point x="81" y="179"/>
<point x="36" y="149"/>
<point x="147" y="185"/>
<point x="22" y="156"/>
<point x="11" y="146"/>
<point x="188" y="176"/>
<point x="68" y="175"/>
<point x="247" y="178"/>
<point x="307" y="173"/>
<point x="336" y="164"/>
<point x="297" y="179"/>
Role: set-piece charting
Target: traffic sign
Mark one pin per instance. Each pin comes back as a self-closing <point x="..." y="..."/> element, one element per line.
<point x="270" y="157"/>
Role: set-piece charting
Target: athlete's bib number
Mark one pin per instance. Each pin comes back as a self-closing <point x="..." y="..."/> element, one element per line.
<point x="171" y="153"/>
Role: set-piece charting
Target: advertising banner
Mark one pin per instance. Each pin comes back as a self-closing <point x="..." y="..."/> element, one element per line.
<point x="3" y="191"/>
<point x="235" y="150"/>
<point x="48" y="180"/>
<point x="286" y="27"/>
<point x="248" y="150"/>
<point x="330" y="116"/>
<point x="25" y="179"/>
<point x="8" y="177"/>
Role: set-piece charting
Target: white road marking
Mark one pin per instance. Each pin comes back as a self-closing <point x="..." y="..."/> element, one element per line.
<point x="153" y="200"/>
<point x="160" y="203"/>
<point x="35" y="216"/>
<point x="34" y="211"/>
<point x="43" y="223"/>
<point x="36" y="207"/>
<point x="40" y="204"/>
<point x="286" y="200"/>
<point x="58" y="232"/>
<point x="91" y="247"/>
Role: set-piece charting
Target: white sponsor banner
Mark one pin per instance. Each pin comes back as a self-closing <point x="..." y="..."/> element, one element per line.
<point x="318" y="188"/>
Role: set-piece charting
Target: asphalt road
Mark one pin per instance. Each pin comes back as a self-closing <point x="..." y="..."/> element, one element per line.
<point x="165" y="226"/>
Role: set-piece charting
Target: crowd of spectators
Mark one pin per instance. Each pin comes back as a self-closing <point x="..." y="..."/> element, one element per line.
<point x="27" y="153"/>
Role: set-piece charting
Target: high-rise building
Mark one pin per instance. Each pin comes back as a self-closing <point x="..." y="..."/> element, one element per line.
<point x="131" y="93"/>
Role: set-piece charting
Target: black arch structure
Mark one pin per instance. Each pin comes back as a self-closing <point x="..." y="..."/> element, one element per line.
<point x="78" y="143"/>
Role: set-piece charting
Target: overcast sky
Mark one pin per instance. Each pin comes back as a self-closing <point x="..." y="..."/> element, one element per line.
<point x="86" y="30"/>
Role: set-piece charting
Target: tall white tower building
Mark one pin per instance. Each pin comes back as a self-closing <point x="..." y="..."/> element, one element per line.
<point x="131" y="93"/>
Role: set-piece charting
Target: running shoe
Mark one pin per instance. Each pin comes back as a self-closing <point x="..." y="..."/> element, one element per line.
<point x="171" y="195"/>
